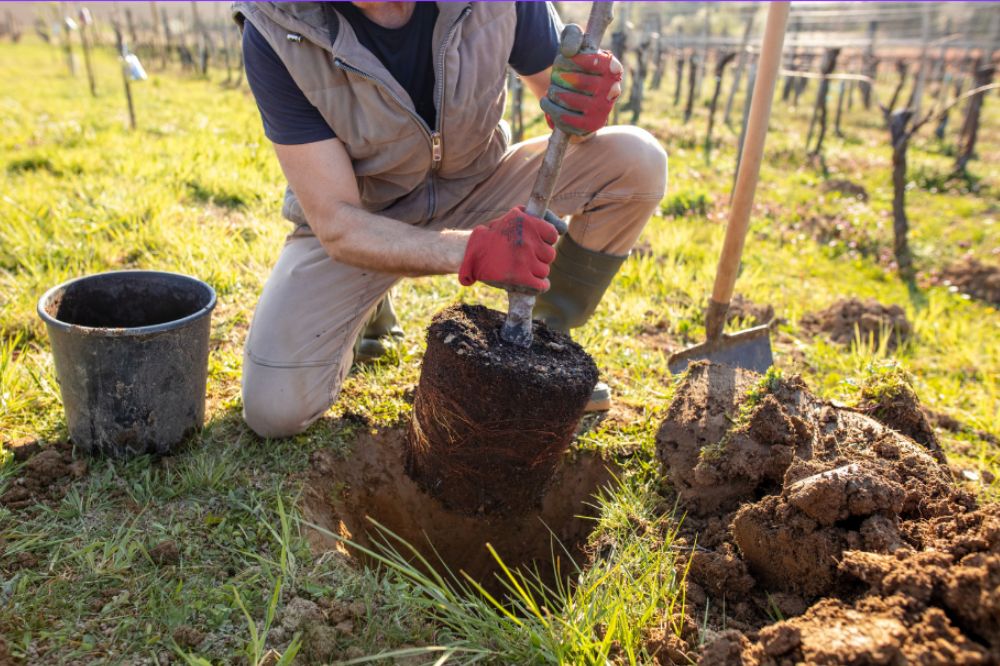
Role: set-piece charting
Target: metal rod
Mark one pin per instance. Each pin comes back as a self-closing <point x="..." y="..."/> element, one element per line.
<point x="520" y="305"/>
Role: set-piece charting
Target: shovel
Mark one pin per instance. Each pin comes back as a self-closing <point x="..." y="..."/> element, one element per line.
<point x="750" y="348"/>
<point x="520" y="302"/>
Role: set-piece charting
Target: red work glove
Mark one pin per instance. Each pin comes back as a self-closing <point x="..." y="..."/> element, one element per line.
<point x="577" y="101"/>
<point x="513" y="250"/>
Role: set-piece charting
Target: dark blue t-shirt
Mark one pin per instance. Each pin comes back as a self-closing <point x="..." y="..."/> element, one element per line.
<point x="406" y="52"/>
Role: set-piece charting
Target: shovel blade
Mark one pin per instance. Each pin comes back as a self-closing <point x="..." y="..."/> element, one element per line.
<point x="749" y="349"/>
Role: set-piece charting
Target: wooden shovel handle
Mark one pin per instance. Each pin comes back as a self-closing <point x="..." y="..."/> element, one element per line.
<point x="753" y="151"/>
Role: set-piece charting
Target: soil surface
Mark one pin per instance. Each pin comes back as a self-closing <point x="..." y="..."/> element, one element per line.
<point x="843" y="321"/>
<point x="345" y="494"/>
<point x="6" y="658"/>
<point x="45" y="476"/>
<point x="973" y="277"/>
<point x="841" y="233"/>
<point x="847" y="529"/>
<point x="491" y="420"/>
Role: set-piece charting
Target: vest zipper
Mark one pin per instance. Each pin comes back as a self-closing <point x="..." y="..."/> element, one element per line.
<point x="433" y="137"/>
<point x="439" y="82"/>
<point x="435" y="150"/>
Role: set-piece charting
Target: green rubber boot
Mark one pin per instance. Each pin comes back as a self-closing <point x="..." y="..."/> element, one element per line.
<point x="378" y="333"/>
<point x="578" y="278"/>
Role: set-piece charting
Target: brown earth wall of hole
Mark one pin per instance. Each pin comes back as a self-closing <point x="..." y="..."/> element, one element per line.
<point x="346" y="496"/>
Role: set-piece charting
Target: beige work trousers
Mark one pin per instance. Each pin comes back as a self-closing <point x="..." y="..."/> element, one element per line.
<point x="300" y="345"/>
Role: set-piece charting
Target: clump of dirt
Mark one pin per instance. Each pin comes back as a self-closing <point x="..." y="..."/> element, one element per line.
<point x="324" y="625"/>
<point x="872" y="630"/>
<point x="45" y="475"/>
<point x="974" y="278"/>
<point x="491" y="419"/>
<point x="165" y="553"/>
<point x="847" y="528"/>
<point x="744" y="311"/>
<point x="845" y="188"/>
<point x="890" y="399"/>
<point x="367" y="494"/>
<point x="188" y="637"/>
<point x="850" y="318"/>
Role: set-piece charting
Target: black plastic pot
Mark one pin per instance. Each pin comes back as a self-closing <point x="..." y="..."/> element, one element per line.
<point x="131" y="356"/>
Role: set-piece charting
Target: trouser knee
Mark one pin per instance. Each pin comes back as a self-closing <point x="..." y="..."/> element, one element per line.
<point x="282" y="402"/>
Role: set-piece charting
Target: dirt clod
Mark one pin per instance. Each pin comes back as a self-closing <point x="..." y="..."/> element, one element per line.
<point x="728" y="648"/>
<point x="849" y="530"/>
<point x="892" y="401"/>
<point x="188" y="637"/>
<point x="165" y="553"/>
<point x="849" y="319"/>
<point x="666" y="647"/>
<point x="974" y="278"/>
<point x="45" y="475"/>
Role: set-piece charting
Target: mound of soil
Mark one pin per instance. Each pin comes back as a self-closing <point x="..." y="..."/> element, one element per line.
<point x="744" y="311"/>
<point x="845" y="188"/>
<point x="824" y="516"/>
<point x="45" y="475"/>
<point x="847" y="319"/>
<point x="899" y="408"/>
<point x="490" y="419"/>
<point x="350" y="497"/>
<point x="973" y="277"/>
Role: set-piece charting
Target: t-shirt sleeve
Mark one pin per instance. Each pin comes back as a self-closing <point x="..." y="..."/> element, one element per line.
<point x="289" y="117"/>
<point x="536" y="37"/>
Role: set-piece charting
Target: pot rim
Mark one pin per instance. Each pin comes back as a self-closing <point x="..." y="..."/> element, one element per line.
<point x="110" y="332"/>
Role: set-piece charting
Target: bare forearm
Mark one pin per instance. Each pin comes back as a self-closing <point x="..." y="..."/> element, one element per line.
<point x="366" y="240"/>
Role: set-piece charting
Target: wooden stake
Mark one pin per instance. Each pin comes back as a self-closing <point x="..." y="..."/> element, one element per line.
<point x="740" y="65"/>
<point x="123" y="52"/>
<point x="67" y="28"/>
<point x="85" y="21"/>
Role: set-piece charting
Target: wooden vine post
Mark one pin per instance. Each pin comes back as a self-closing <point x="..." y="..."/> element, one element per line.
<point x="720" y="67"/>
<point x="740" y="65"/>
<point x="970" y="127"/>
<point x="679" y="81"/>
<point x="820" y="110"/>
<point x="86" y="20"/>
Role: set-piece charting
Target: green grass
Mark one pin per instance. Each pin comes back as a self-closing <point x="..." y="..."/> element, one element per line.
<point x="196" y="189"/>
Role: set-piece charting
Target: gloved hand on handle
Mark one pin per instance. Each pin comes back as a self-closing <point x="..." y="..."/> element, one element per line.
<point x="513" y="250"/>
<point x="583" y="91"/>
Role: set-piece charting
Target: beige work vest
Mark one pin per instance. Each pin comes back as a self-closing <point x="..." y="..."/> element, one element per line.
<point x="405" y="170"/>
